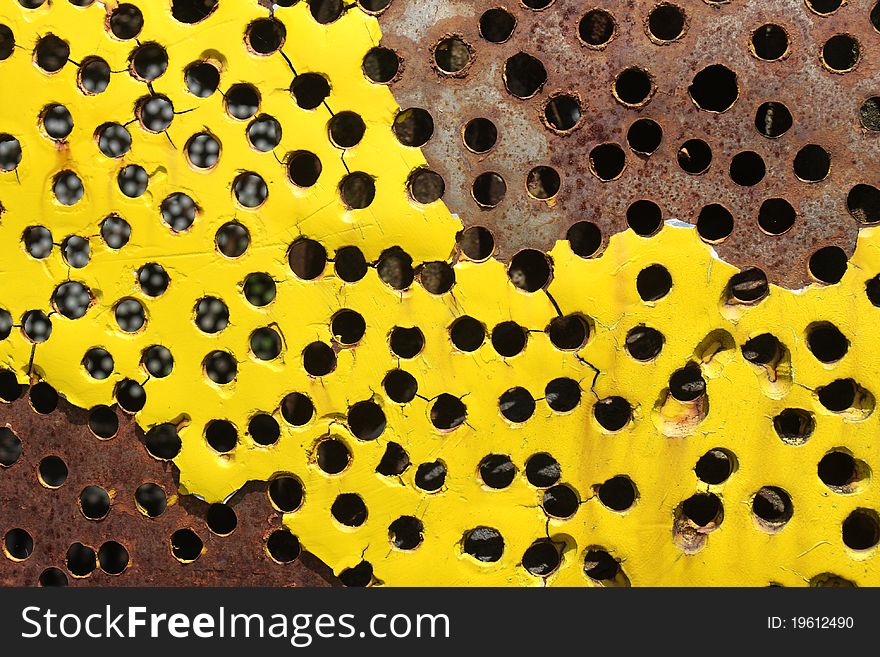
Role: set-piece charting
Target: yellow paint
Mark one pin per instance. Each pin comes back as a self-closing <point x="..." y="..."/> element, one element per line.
<point x="742" y="397"/>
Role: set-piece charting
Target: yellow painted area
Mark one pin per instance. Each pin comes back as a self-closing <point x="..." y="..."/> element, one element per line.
<point x="658" y="455"/>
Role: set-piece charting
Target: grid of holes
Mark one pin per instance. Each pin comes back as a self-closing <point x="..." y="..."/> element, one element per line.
<point x="530" y="271"/>
<point x="548" y="185"/>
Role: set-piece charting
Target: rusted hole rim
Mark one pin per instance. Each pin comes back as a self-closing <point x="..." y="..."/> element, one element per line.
<point x="452" y="38"/>
<point x="652" y="87"/>
<point x="373" y="12"/>
<point x="543" y="183"/>
<point x="811" y="8"/>
<point x="489" y="11"/>
<point x="857" y="53"/>
<point x="614" y="29"/>
<point x="556" y="96"/>
<point x="661" y="41"/>
<point x="549" y="3"/>
<point x="767" y="27"/>
<point x="490" y="177"/>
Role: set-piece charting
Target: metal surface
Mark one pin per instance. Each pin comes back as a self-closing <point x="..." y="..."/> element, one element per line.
<point x="825" y="107"/>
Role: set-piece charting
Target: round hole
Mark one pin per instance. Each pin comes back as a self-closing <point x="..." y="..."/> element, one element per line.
<point x="357" y="190"/>
<point x="10" y="447"/>
<point x="597" y="28"/>
<point x="103" y="422"/>
<point x="310" y="90"/>
<point x="319" y="359"/>
<point x="447" y="412"/>
<point x="57" y="121"/>
<point x="394" y="461"/>
<point x="94" y="502"/>
<point x="695" y="156"/>
<point x="366" y="420"/>
<point x="72" y="299"/>
<point x="349" y="509"/>
<point x="113" y="557"/>
<point x="714" y="223"/>
<point x="202" y="79"/>
<point x="346" y="129"/>
<point x="542" y="470"/>
<point x="644" y="343"/>
<point x="149" y="61"/>
<point x="562" y="395"/>
<point x="282" y="546"/>
<point x="115" y="231"/>
<point x="467" y="334"/>
<point x="81" y="560"/>
<point x="265" y="35"/>
<point x="395" y="268"/>
<point x="413" y="127"/>
<point x="687" y="384"/>
<point x="264" y="429"/>
<point x="362" y="574"/>
<point x="772" y="507"/>
<point x="425" y="186"/>
<point x="203" y="150"/>
<point x="763" y="349"/>
<point x="863" y="203"/>
<point x="861" y="529"/>
<point x="562" y="112"/>
<point x="497" y="25"/>
<point x="569" y="332"/>
<point x="53" y="577"/>
<point x="584" y="238"/>
<point x="633" y="87"/>
<point x="52" y="472"/>
<point x="838" y="470"/>
<point x="542" y="558"/>
<point x="644" y="136"/>
<point x="600" y="566"/>
<point x="666" y="22"/>
<point x="841" y="53"/>
<point x="192" y="11"/>
<point x="307" y="259"/>
<point x="431" y="477"/>
<point x="350" y="264"/>
<point x="644" y="217"/>
<point x="326" y="11"/>
<point x="480" y="135"/>
<point x="839" y="395"/>
<point x="560" y="502"/>
<point x="406" y="533"/>
<point x="130" y="395"/>
<point x="794" y="426"/>
<point x="44" y="398"/>
<point x="483" y="544"/>
<point x="286" y="494"/>
<point x="452" y="55"/>
<point x="259" y="289"/>
<point x="653" y="283"/>
<point x="824" y="7"/>
<point x="612" y="413"/>
<point x="163" y="442"/>
<point x="332" y="456"/>
<point x="715" y="466"/>
<point x="714" y="89"/>
<point x="530" y="270"/>
<point x="51" y="53"/>
<point x="776" y="216"/>
<point x="543" y="182"/>
<point x="489" y="189"/>
<point x="517" y="405"/>
<point x="869" y="114"/>
<point x="812" y="163"/>
<point x="524" y="75"/>
<point x="232" y="239"/>
<point x="828" y="264"/>
<point x="618" y="493"/>
<point x="769" y="42"/>
<point x="130" y="315"/>
<point x="826" y="342"/>
<point x="38" y="241"/>
<point x="703" y="509"/>
<point x="509" y="339"/>
<point x="186" y="546"/>
<point x="773" y="120"/>
<point x="381" y="65"/>
<point x="607" y="161"/>
<point x="748" y="286"/>
<point x="297" y="409"/>
<point x="497" y="471"/>
<point x="133" y="181"/>
<point x="747" y="169"/>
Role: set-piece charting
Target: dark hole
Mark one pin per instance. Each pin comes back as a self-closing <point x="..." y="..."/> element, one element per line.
<point x="44" y="398"/>
<point x="694" y="156"/>
<point x="57" y="121"/>
<point x="562" y="395"/>
<point x="600" y="565"/>
<point x="776" y="216"/>
<point x="476" y="242"/>
<point x="192" y="11"/>
<point x="826" y="342"/>
<point x="395" y="268"/>
<point x="310" y="90"/>
<point x="448" y="412"/>
<point x="232" y="239"/>
<point x="259" y="289"/>
<point x="307" y="258"/>
<point x="359" y="576"/>
<point x="484" y="544"/>
<point x="366" y="420"/>
<point x="319" y="359"/>
<point x="266" y="35"/>
<point x="769" y="42"/>
<point x="633" y="86"/>
<point x="348" y="327"/>
<point x="264" y="134"/>
<point x="406" y="533"/>
<point x="130" y="315"/>
<point x="5" y="324"/>
<point x="509" y="339"/>
<point x="872" y="290"/>
<point x="297" y="409"/>
<point x="7" y="42"/>
<point x="413" y="126"/>
<point x="266" y="343"/>
<point x="37" y="326"/>
<point x="530" y="270"/>
<point x="714" y="89"/>
<point x="133" y="180"/>
<point x="489" y="189"/>
<point x="773" y="120"/>
<point x="747" y="168"/>
<point x="286" y="493"/>
<point x="202" y="79"/>
<point x="151" y="500"/>
<point x="644" y="217"/>
<point x="333" y="456"/>
<point x="497" y="471"/>
<point x="452" y="55"/>
<point x="838" y="395"/>
<point x="350" y="264"/>
<point x="812" y="163"/>
<point x="569" y="332"/>
<point x="81" y="560"/>
<point x="437" y="277"/>
<point x="543" y="182"/>
<point x="496" y="25"/>
<point x="346" y="129"/>
<point x="349" y="509"/>
<point x="702" y="509"/>
<point x="748" y="285"/>
<point x="103" y="422"/>
<point x="687" y="384"/>
<point x="53" y="577"/>
<point x="837" y="469"/>
<point x="186" y="545"/>
<point x="794" y="426"/>
<point x="10" y="447"/>
<point x="517" y="404"/>
<point x="762" y="349"/>
<point x="425" y="186"/>
<point x="480" y="135"/>
<point x="115" y="231"/>
<point x="326" y="11"/>
<point x="607" y="161"/>
<point x="72" y="299"/>
<point x="155" y="113"/>
<point x="163" y="442"/>
<point x="715" y="223"/>
<point x="666" y="22"/>
<point x="644" y="136"/>
<point x="542" y="470"/>
<point x="714" y="467"/>
<point x="283" y="546"/>
<point x="406" y="342"/>
<point x="149" y="61"/>
<point x="773" y="505"/>
<point x="863" y="202"/>
<point x="357" y="190"/>
<point x="68" y="188"/>
<point x="38" y="241"/>
<point x="10" y="153"/>
<point x="52" y="469"/>
<point x="250" y="190"/>
<point x="618" y="493"/>
<point x="562" y="112"/>
<point x="203" y="151"/>
<point x="861" y="530"/>
<point x="585" y="238"/>
<point x="10" y="389"/>
<point x="560" y="501"/>
<point x="612" y="413"/>
<point x="381" y="65"/>
<point x="467" y="334"/>
<point x="431" y="476"/>
<point x="130" y="395"/>
<point x="154" y="280"/>
<point x="400" y="386"/>
<point x="841" y="53"/>
<point x="394" y="461"/>
<point x="596" y="27"/>
<point x="264" y="429"/>
<point x="113" y="557"/>
<point x="51" y="53"/>
<point x="644" y="343"/>
<point x="537" y="4"/>
<point x="824" y="6"/>
<point x="524" y="75"/>
<point x="869" y="114"/>
<point x="114" y="140"/>
<point x="221" y="435"/>
<point x="828" y="264"/>
<point x="653" y="283"/>
<point x="541" y="558"/>
<point x="94" y="502"/>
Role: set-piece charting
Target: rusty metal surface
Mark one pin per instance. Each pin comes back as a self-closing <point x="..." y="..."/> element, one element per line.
<point x="54" y="518"/>
<point x="825" y="107"/>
